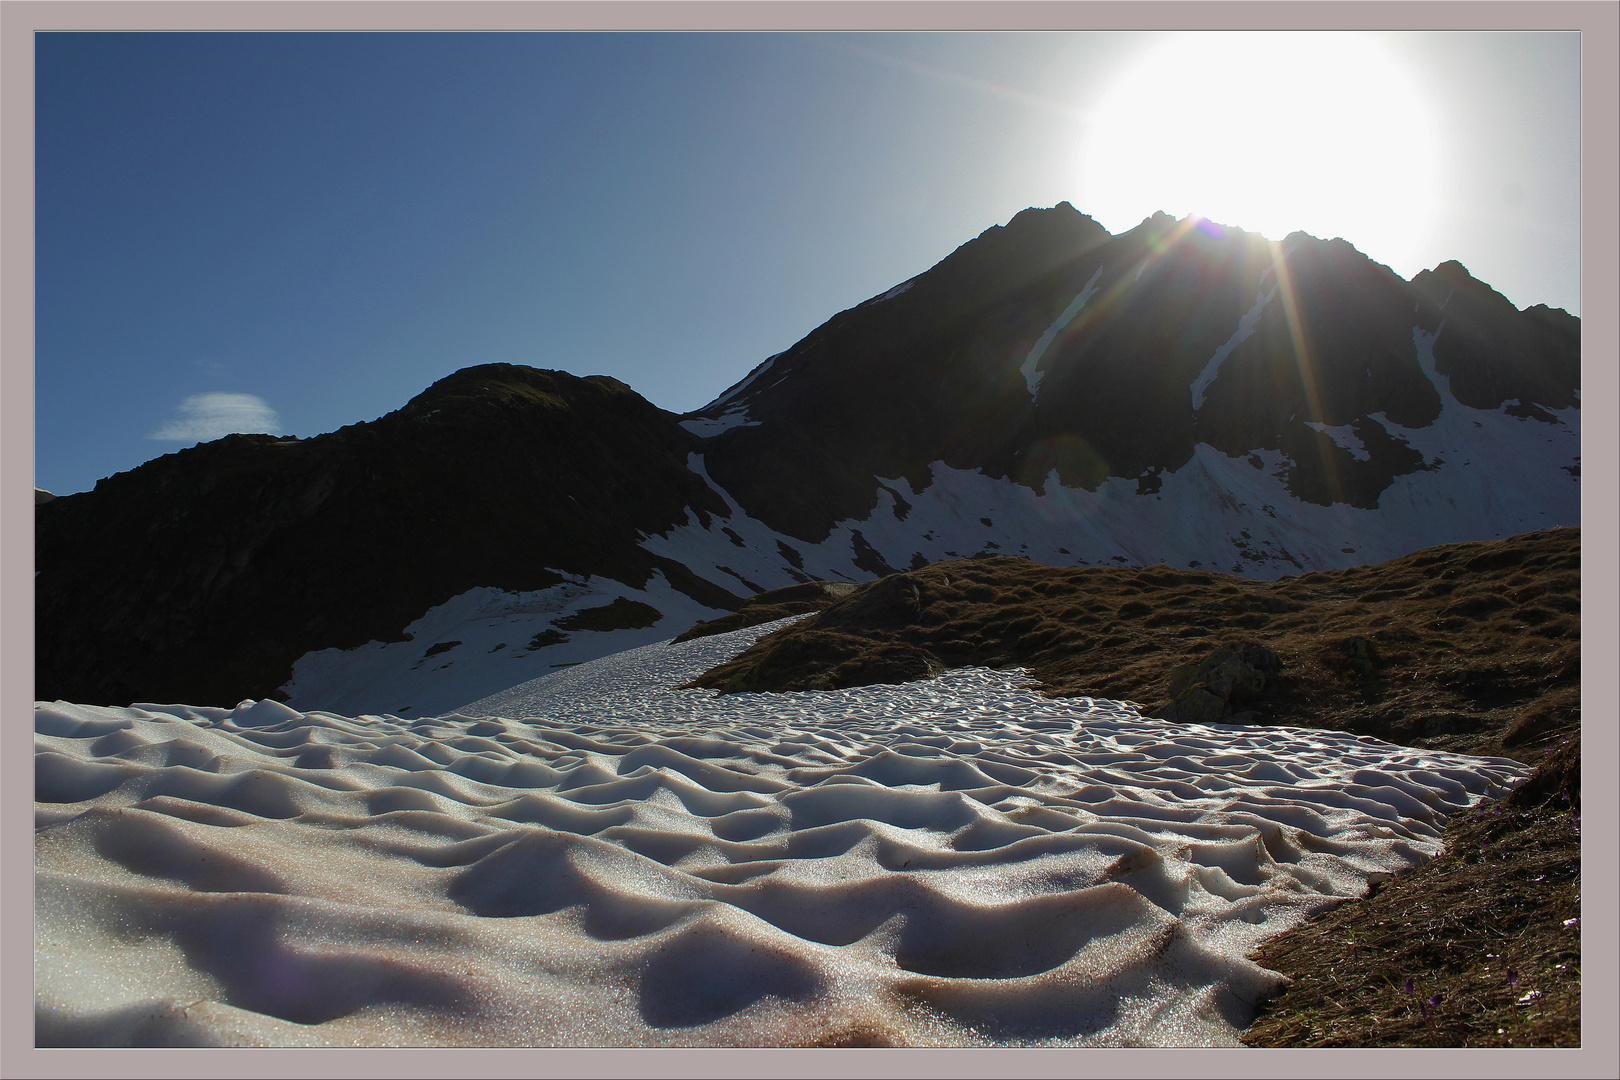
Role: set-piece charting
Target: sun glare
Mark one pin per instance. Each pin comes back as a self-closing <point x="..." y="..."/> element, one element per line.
<point x="1270" y="132"/>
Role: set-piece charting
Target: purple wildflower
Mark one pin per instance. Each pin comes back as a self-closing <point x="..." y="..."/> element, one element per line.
<point x="1409" y="988"/>
<point x="1513" y="977"/>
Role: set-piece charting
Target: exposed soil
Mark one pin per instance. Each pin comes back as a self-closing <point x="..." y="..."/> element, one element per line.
<point x="1470" y="648"/>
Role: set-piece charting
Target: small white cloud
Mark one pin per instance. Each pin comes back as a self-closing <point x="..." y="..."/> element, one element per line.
<point x="202" y="417"/>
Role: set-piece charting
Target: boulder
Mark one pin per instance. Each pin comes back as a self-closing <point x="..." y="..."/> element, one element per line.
<point x="1209" y="691"/>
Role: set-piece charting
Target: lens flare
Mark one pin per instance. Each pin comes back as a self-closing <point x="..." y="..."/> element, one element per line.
<point x="1304" y="364"/>
<point x="1271" y="132"/>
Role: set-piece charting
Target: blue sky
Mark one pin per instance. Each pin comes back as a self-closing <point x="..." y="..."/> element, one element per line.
<point x="293" y="232"/>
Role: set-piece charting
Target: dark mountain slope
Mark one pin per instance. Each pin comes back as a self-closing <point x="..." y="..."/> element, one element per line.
<point x="1115" y="357"/>
<point x="201" y="576"/>
<point x="1493" y="353"/>
<point x="879" y="390"/>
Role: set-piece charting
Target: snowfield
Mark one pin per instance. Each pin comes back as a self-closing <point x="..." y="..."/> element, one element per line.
<point x="593" y="858"/>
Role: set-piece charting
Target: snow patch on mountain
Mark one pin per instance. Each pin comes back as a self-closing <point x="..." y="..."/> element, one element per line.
<point x="1032" y="377"/>
<point x="1344" y="436"/>
<point x="1487" y="476"/>
<point x="707" y="427"/>
<point x="1486" y="466"/>
<point x="481" y="640"/>
<point x="892" y="293"/>
<point x="1217" y="512"/>
<point x="741" y="550"/>
<point x="747" y="381"/>
<point x="1245" y="327"/>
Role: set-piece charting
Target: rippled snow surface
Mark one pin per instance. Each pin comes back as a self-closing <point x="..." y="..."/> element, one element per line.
<point x="958" y="861"/>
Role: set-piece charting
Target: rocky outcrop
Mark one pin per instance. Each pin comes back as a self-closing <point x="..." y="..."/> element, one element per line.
<point x="1215" y="689"/>
<point x="1493" y="353"/>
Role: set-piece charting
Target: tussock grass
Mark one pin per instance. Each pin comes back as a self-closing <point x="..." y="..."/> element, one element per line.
<point x="1479" y="947"/>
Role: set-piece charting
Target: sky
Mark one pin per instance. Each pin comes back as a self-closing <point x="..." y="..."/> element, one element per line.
<point x="293" y="232"/>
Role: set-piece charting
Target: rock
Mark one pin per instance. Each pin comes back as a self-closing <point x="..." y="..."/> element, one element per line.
<point x="1205" y="692"/>
<point x="1196" y="706"/>
<point x="1363" y="655"/>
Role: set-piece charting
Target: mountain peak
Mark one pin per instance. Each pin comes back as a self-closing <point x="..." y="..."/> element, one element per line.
<point x="1061" y="224"/>
<point x="1063" y="211"/>
<point x="514" y="384"/>
<point x="1452" y="270"/>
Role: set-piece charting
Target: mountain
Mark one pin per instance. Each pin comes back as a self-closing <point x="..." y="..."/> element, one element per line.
<point x="203" y="575"/>
<point x="1180" y="393"/>
<point x="1155" y="364"/>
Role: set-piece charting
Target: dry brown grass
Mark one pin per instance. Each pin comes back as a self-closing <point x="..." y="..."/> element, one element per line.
<point x="1467" y="647"/>
<point x="1487" y="936"/>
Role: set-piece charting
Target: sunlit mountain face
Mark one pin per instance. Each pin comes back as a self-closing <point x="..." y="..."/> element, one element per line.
<point x="1183" y="393"/>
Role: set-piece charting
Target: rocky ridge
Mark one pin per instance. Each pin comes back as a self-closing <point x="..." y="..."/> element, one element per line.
<point x="1180" y="394"/>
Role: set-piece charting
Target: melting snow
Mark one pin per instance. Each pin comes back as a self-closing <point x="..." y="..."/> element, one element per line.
<point x="744" y="384"/>
<point x="706" y="427"/>
<point x="894" y="292"/>
<point x="603" y="860"/>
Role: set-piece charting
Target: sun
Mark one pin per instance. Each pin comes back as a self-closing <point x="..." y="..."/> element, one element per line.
<point x="1270" y="132"/>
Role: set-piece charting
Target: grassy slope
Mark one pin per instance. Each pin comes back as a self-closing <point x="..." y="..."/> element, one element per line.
<point x="1469" y="648"/>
